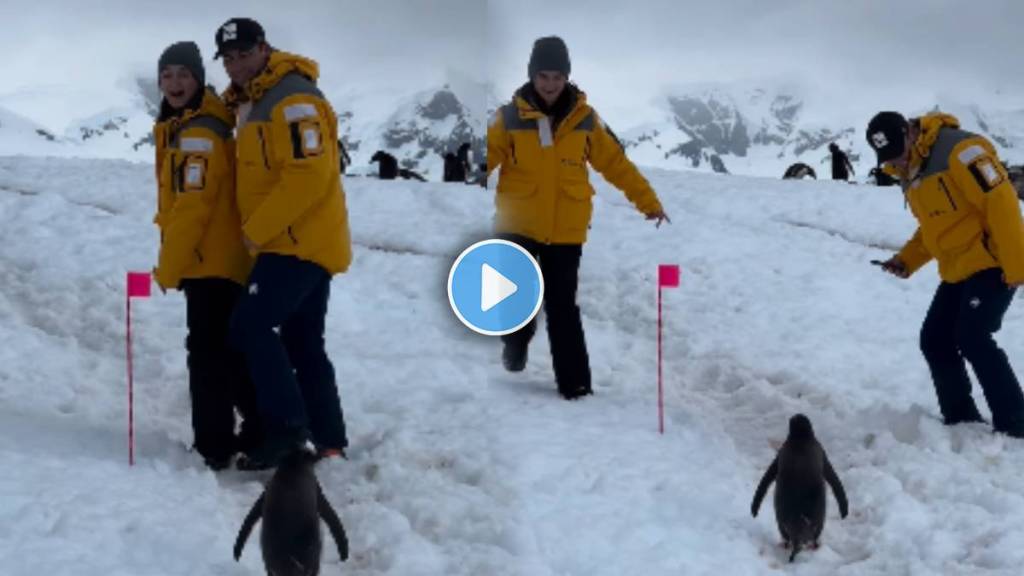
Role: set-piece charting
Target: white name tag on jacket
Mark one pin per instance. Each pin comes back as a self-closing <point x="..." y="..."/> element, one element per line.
<point x="196" y="145"/>
<point x="544" y="128"/>
<point x="297" y="111"/>
<point x="194" y="175"/>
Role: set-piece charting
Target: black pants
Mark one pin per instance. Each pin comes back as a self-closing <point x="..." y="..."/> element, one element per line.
<point x="218" y="377"/>
<point x="279" y="324"/>
<point x="560" y="266"/>
<point x="959" y="326"/>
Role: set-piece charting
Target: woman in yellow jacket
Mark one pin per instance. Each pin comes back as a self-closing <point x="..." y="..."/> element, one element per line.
<point x="970" y="222"/>
<point x="543" y="141"/>
<point x="201" y="249"/>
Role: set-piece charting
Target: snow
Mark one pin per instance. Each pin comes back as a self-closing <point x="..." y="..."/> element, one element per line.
<point x="457" y="467"/>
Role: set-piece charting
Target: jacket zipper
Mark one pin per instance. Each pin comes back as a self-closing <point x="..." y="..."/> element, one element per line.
<point x="263" y="148"/>
<point x="948" y="195"/>
<point x="177" y="175"/>
<point x="292" y="236"/>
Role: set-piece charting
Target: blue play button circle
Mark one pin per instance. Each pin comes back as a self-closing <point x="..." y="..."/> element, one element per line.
<point x="495" y="287"/>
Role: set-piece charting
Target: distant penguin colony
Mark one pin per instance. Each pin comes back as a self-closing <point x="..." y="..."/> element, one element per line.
<point x="291" y="508"/>
<point x="800" y="470"/>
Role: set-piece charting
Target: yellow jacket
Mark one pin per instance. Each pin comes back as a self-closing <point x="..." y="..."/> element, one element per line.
<point x="544" y="190"/>
<point x="968" y="213"/>
<point x="200" y="228"/>
<point x="289" y="188"/>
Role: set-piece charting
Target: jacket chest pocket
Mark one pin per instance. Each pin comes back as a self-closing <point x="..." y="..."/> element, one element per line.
<point x="573" y="170"/>
<point x="254" y="148"/>
<point x="526" y="149"/>
<point x="935" y="198"/>
<point x="173" y="171"/>
<point x="574" y="151"/>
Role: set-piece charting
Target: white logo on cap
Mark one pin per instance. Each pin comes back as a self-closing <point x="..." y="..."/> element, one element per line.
<point x="229" y="32"/>
<point x="879" y="140"/>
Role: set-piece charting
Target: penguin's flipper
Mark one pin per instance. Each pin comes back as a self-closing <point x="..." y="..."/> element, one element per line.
<point x="762" y="488"/>
<point x="333" y="523"/>
<point x="250" y="520"/>
<point x="836" y="485"/>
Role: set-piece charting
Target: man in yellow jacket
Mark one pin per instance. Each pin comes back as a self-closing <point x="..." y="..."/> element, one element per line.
<point x="201" y="250"/>
<point x="969" y="220"/>
<point x="295" y="221"/>
<point x="543" y="141"/>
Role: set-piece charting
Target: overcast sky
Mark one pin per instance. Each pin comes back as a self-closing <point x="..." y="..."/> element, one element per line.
<point x="92" y="45"/>
<point x="623" y="52"/>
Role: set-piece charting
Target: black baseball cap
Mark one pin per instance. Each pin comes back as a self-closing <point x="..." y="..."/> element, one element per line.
<point x="887" y="135"/>
<point x="238" y="34"/>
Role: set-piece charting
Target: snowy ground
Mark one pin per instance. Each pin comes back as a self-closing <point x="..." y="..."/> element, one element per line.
<point x="459" y="468"/>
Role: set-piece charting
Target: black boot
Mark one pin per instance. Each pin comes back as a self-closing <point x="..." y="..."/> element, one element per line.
<point x="966" y="416"/>
<point x="216" y="464"/>
<point x="575" y="393"/>
<point x="275" y="446"/>
<point x="1012" y="427"/>
<point x="514" y="356"/>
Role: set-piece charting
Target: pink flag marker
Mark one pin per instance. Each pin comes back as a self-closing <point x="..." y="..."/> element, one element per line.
<point x="137" y="286"/>
<point x="668" y="277"/>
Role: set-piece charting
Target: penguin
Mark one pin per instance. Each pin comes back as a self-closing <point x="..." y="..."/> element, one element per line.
<point x="798" y="171"/>
<point x="800" y="470"/>
<point x="291" y="507"/>
<point x="388" y="168"/>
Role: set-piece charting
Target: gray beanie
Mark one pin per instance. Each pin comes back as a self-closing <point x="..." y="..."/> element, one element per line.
<point x="549" y="53"/>
<point x="184" y="54"/>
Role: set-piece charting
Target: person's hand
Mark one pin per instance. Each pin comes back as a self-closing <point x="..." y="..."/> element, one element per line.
<point x="896" y="267"/>
<point x="658" y="215"/>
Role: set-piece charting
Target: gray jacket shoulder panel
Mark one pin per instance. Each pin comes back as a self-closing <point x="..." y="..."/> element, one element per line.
<point x="510" y="116"/>
<point x="938" y="158"/>
<point x="215" y="125"/>
<point x="292" y="84"/>
<point x="587" y="124"/>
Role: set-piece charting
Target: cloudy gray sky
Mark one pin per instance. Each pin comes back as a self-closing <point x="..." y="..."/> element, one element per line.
<point x="625" y="51"/>
<point x="92" y="45"/>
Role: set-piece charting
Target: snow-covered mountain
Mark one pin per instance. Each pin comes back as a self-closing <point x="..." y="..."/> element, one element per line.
<point x="753" y="130"/>
<point x="18" y="134"/>
<point x="417" y="127"/>
<point x="418" y="130"/>
<point x="65" y="120"/>
<point x="742" y="128"/>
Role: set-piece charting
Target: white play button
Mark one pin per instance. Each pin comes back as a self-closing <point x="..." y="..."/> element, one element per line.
<point x="494" y="287"/>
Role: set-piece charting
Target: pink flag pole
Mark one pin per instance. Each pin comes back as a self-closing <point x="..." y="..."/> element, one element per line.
<point x="137" y="286"/>
<point x="668" y="277"/>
